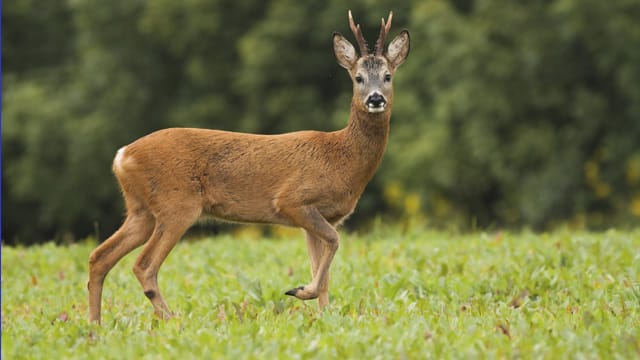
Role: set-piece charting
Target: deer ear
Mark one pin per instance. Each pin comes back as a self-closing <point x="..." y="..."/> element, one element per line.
<point x="345" y="52"/>
<point x="398" y="49"/>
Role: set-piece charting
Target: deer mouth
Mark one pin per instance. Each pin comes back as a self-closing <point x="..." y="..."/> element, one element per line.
<point x="376" y="108"/>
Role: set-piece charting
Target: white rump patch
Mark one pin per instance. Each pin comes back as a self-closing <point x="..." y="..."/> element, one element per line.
<point x="118" y="161"/>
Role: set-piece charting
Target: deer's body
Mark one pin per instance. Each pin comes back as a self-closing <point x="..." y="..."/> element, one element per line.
<point x="306" y="179"/>
<point x="249" y="177"/>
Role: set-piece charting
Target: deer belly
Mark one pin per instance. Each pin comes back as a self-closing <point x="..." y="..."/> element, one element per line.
<point x="243" y="211"/>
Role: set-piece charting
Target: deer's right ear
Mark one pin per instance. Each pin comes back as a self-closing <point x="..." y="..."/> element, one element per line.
<point x="345" y="52"/>
<point x="398" y="49"/>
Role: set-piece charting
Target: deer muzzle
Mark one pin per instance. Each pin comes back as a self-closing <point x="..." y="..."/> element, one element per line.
<point x="375" y="102"/>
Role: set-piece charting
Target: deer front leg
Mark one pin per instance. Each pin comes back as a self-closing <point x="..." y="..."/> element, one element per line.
<point x="325" y="241"/>
<point x="315" y="247"/>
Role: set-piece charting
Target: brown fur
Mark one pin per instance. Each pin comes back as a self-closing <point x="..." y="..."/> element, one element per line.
<point x="306" y="179"/>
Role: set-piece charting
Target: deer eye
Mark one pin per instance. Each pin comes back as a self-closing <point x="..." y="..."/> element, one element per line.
<point x="359" y="79"/>
<point x="387" y="78"/>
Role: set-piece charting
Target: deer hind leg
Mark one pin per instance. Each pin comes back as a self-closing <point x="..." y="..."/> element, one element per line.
<point x="135" y="230"/>
<point x="315" y="247"/>
<point x="320" y="229"/>
<point x="168" y="230"/>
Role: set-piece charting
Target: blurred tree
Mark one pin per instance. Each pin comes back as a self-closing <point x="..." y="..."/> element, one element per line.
<point x="509" y="113"/>
<point x="26" y="48"/>
<point x="518" y="98"/>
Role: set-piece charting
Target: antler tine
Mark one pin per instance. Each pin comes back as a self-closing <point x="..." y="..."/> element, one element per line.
<point x="364" y="51"/>
<point x="384" y="30"/>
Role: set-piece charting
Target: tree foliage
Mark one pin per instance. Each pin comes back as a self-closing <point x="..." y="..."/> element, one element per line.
<point x="507" y="113"/>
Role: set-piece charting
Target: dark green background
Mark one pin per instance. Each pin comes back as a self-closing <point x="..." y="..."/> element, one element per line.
<point x="508" y="113"/>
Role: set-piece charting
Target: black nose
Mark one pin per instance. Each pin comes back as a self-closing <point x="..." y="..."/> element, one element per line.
<point x="376" y="100"/>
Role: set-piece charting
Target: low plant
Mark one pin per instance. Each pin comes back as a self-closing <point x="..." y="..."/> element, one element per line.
<point x="417" y="294"/>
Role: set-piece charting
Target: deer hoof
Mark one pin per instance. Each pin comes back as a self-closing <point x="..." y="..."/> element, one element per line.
<point x="294" y="291"/>
<point x="302" y="293"/>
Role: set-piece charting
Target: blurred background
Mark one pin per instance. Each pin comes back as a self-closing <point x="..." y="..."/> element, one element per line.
<point x="508" y="114"/>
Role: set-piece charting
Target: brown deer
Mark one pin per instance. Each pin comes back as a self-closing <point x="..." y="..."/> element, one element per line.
<point x="307" y="179"/>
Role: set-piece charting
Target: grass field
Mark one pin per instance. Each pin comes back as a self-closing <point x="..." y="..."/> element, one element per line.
<point x="394" y="296"/>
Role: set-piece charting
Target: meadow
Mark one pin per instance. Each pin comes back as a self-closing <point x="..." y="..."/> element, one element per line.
<point x="394" y="295"/>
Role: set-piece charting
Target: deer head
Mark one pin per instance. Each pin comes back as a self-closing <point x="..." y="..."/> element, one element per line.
<point x="372" y="73"/>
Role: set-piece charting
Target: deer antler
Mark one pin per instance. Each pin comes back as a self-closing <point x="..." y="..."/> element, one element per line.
<point x="364" y="51"/>
<point x="384" y="30"/>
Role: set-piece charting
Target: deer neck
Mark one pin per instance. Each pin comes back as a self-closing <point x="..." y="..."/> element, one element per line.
<point x="366" y="137"/>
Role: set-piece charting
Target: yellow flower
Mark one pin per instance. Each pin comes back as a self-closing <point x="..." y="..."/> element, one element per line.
<point x="393" y="193"/>
<point x="602" y="189"/>
<point x="635" y="205"/>
<point x="633" y="170"/>
<point x="412" y="204"/>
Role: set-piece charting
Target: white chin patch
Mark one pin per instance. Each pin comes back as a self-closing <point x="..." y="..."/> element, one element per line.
<point x="375" y="109"/>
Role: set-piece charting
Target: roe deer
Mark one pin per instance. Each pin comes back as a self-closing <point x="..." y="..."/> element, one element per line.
<point x="306" y="179"/>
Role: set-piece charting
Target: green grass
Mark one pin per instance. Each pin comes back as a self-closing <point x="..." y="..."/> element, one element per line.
<point x="393" y="296"/>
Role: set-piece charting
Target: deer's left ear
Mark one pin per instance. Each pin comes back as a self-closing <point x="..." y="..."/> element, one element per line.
<point x="398" y="49"/>
<point x="345" y="52"/>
